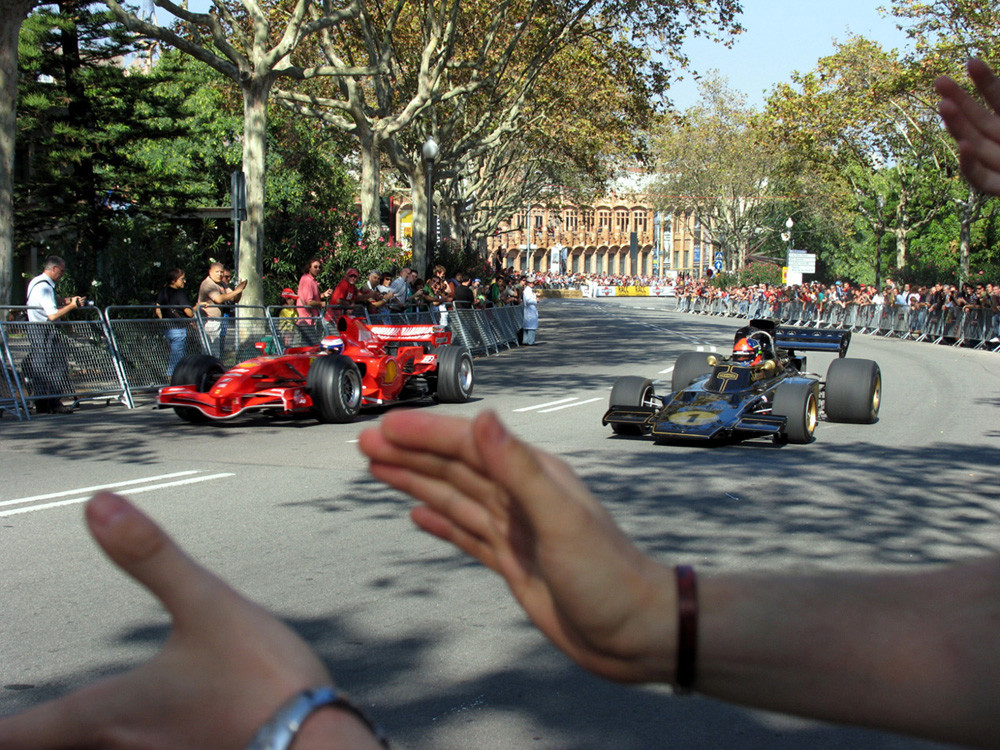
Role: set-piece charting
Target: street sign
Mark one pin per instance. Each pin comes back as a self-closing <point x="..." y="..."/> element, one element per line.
<point x="718" y="264"/>
<point x="800" y="261"/>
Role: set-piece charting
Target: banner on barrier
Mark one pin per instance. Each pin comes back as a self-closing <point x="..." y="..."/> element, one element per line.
<point x="635" y="291"/>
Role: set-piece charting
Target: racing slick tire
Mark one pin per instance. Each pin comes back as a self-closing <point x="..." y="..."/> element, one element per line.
<point x="201" y="371"/>
<point x="687" y="367"/>
<point x="334" y="384"/>
<point x="630" y="390"/>
<point x="799" y="404"/>
<point x="455" y="375"/>
<point x="853" y="391"/>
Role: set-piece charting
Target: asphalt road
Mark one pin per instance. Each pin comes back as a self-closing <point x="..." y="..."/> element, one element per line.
<point x="429" y="641"/>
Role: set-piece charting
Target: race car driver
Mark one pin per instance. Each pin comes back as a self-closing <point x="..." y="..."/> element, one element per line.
<point x="748" y="351"/>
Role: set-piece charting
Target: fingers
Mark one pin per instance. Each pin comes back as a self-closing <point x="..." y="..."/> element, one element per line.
<point x="986" y="82"/>
<point x="546" y="486"/>
<point x="480" y="460"/>
<point x="975" y="128"/>
<point x="140" y="548"/>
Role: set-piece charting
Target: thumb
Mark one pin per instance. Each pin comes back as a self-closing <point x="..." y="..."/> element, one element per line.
<point x="143" y="550"/>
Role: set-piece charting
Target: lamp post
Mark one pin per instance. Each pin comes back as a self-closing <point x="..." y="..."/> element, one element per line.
<point x="786" y="236"/>
<point x="430" y="151"/>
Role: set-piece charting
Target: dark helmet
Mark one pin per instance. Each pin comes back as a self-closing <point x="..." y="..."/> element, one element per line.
<point x="748" y="351"/>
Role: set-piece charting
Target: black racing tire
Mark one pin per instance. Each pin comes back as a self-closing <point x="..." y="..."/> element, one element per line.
<point x="853" y="391"/>
<point x="799" y="404"/>
<point x="455" y="375"/>
<point x="334" y="384"/>
<point x="687" y="367"/>
<point x="630" y="390"/>
<point x="201" y="371"/>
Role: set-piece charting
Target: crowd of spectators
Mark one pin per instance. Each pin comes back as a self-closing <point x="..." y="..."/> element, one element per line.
<point x="402" y="291"/>
<point x="920" y="301"/>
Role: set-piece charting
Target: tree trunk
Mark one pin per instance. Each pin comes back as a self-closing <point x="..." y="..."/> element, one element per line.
<point x="902" y="235"/>
<point x="371" y="210"/>
<point x="12" y="14"/>
<point x="420" y="201"/>
<point x="251" y="250"/>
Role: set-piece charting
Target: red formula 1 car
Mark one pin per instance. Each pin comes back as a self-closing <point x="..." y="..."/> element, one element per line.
<point x="365" y="365"/>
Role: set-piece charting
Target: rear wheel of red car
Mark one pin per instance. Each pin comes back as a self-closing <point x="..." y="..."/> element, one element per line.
<point x="201" y="371"/>
<point x="799" y="404"/>
<point x="334" y="383"/>
<point x="455" y="374"/>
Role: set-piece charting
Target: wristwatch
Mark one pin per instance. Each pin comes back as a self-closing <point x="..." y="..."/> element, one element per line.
<point x="280" y="730"/>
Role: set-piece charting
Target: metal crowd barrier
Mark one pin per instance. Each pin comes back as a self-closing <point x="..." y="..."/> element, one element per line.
<point x="122" y="350"/>
<point x="71" y="359"/>
<point x="966" y="326"/>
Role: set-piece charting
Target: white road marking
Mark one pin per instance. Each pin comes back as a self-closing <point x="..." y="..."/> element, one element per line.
<point x="567" y="406"/>
<point x="95" y="487"/>
<point x="665" y="372"/>
<point x="550" y="403"/>
<point x="133" y="491"/>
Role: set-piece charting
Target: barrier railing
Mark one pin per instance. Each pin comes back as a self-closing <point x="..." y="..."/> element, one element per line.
<point x="123" y="350"/>
<point x="11" y="395"/>
<point x="966" y="326"/>
<point x="63" y="358"/>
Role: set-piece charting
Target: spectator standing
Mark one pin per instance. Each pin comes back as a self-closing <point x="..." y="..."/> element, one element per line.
<point x="287" y="316"/>
<point x="311" y="302"/>
<point x="172" y="304"/>
<point x="212" y="295"/>
<point x="462" y="294"/>
<point x="400" y="289"/>
<point x="530" y="301"/>
<point x="46" y="364"/>
<point x="345" y="294"/>
<point x="496" y="290"/>
<point x="227" y="308"/>
<point x="440" y="273"/>
<point x="377" y="298"/>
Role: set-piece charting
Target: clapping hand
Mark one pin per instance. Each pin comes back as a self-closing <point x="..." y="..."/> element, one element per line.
<point x="527" y="516"/>
<point x="225" y="669"/>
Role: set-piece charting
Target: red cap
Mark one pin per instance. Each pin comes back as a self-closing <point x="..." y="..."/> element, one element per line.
<point x="287" y="293"/>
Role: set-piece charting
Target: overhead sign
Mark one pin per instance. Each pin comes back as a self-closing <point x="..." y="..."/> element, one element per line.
<point x="799" y="261"/>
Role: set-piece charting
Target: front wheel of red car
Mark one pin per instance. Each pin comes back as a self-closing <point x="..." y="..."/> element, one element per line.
<point x="455" y="374"/>
<point x="201" y="371"/>
<point x="334" y="383"/>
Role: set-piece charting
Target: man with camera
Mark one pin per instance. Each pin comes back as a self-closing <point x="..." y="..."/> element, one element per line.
<point x="45" y="367"/>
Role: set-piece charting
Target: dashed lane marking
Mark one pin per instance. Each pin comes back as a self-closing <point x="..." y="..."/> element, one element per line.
<point x="542" y="406"/>
<point x="130" y="484"/>
<point x="567" y="406"/>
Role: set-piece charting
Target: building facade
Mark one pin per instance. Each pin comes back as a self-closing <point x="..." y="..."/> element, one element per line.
<point x="614" y="237"/>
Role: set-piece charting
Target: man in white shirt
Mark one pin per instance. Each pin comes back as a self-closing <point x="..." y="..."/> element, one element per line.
<point x="45" y="367"/>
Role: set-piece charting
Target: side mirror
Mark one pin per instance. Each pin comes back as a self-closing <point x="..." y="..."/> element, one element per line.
<point x="769" y="366"/>
<point x="712" y="360"/>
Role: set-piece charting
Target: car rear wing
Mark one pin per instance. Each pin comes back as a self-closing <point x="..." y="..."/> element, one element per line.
<point x="428" y="333"/>
<point x="813" y="339"/>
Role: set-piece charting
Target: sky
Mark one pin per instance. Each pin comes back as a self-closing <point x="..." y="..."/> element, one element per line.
<point x="782" y="36"/>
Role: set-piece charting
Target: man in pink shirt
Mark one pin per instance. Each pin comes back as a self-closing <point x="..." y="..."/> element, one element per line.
<point x="311" y="302"/>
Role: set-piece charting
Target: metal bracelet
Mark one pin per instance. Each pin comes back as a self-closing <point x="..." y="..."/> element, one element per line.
<point x="280" y="730"/>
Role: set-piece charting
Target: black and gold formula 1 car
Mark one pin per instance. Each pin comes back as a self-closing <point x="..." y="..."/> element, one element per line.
<point x="762" y="389"/>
